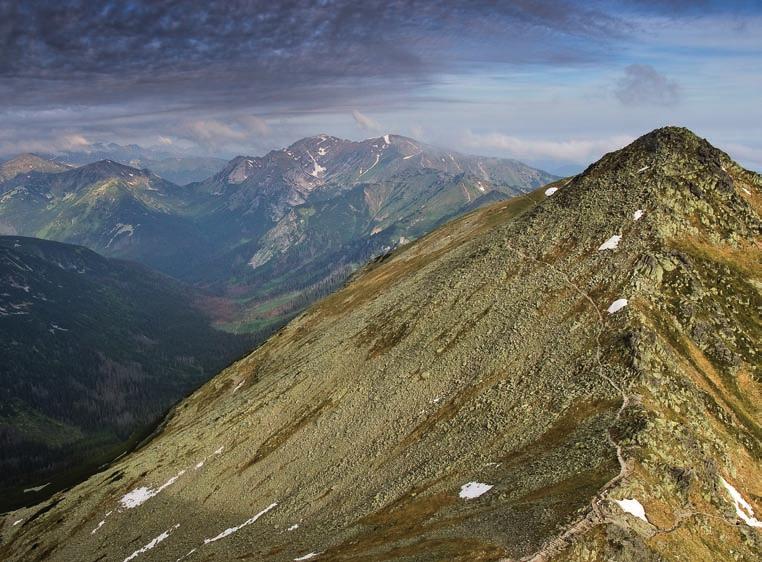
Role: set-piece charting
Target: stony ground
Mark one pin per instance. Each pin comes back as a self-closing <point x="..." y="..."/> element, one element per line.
<point x="482" y="394"/>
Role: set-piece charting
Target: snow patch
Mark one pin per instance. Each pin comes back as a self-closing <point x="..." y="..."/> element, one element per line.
<point x="151" y="544"/>
<point x="616" y="306"/>
<point x="307" y="556"/>
<point x="317" y="168"/>
<point x="139" y="496"/>
<point x="636" y="216"/>
<point x="474" y="490"/>
<point x="611" y="243"/>
<point x="37" y="488"/>
<point x="293" y="527"/>
<point x="633" y="507"/>
<point x="232" y="530"/>
<point x="550" y="191"/>
<point x="386" y="139"/>
<point x="746" y="191"/>
<point x="16" y="522"/>
<point x="743" y="508"/>
<point x="411" y="156"/>
<point x="643" y="169"/>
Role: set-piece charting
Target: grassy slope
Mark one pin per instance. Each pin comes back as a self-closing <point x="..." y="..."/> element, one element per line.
<point x="483" y="352"/>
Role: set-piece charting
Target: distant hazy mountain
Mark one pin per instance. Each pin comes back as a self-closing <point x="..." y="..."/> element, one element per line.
<point x="571" y="375"/>
<point x="108" y="207"/>
<point x="292" y="224"/>
<point x="25" y="163"/>
<point x="170" y="166"/>
<point x="92" y="350"/>
<point x="274" y="231"/>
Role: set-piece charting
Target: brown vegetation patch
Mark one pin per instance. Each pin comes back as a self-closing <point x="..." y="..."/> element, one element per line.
<point x="396" y="531"/>
<point x="278" y="438"/>
<point x="570" y="420"/>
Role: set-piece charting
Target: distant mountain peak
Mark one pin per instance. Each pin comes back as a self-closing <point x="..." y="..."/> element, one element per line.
<point x="29" y="162"/>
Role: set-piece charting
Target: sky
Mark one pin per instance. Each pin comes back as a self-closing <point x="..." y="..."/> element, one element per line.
<point x="555" y="83"/>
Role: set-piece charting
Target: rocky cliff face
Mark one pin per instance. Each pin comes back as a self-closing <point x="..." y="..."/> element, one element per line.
<point x="570" y="375"/>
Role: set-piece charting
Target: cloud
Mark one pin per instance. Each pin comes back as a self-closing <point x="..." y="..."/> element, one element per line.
<point x="216" y="133"/>
<point x="210" y="131"/>
<point x="12" y="144"/>
<point x="255" y="124"/>
<point x="366" y="123"/>
<point x="572" y="150"/>
<point x="643" y="85"/>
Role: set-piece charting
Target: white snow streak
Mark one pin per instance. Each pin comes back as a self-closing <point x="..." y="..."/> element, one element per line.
<point x="103" y="522"/>
<point x="474" y="490"/>
<point x="633" y="507"/>
<point x="307" y="556"/>
<point x="151" y="544"/>
<point x="637" y="215"/>
<point x="293" y="527"/>
<point x="121" y="229"/>
<point x="616" y="306"/>
<point x="184" y="556"/>
<point x="743" y="508"/>
<point x="611" y="243"/>
<point x="411" y="156"/>
<point x="386" y="139"/>
<point x="550" y="191"/>
<point x="378" y="157"/>
<point x="643" y="169"/>
<point x="140" y="495"/>
<point x="232" y="530"/>
<point x="16" y="522"/>
<point x="201" y="463"/>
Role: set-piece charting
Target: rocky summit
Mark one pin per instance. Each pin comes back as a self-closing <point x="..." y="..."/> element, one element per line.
<point x="572" y="374"/>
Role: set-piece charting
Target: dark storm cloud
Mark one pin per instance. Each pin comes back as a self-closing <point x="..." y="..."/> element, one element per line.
<point x="73" y="71"/>
<point x="252" y="52"/>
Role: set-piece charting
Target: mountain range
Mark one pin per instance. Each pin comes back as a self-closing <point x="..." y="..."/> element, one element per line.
<point x="272" y="232"/>
<point x="572" y="374"/>
<point x="179" y="169"/>
<point x="93" y="351"/>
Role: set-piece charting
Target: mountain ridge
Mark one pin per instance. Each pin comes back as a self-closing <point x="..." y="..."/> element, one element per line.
<point x="564" y="376"/>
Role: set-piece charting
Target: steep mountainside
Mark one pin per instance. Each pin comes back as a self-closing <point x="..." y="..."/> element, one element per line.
<point x="92" y="351"/>
<point x="571" y="376"/>
<point x="25" y="163"/>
